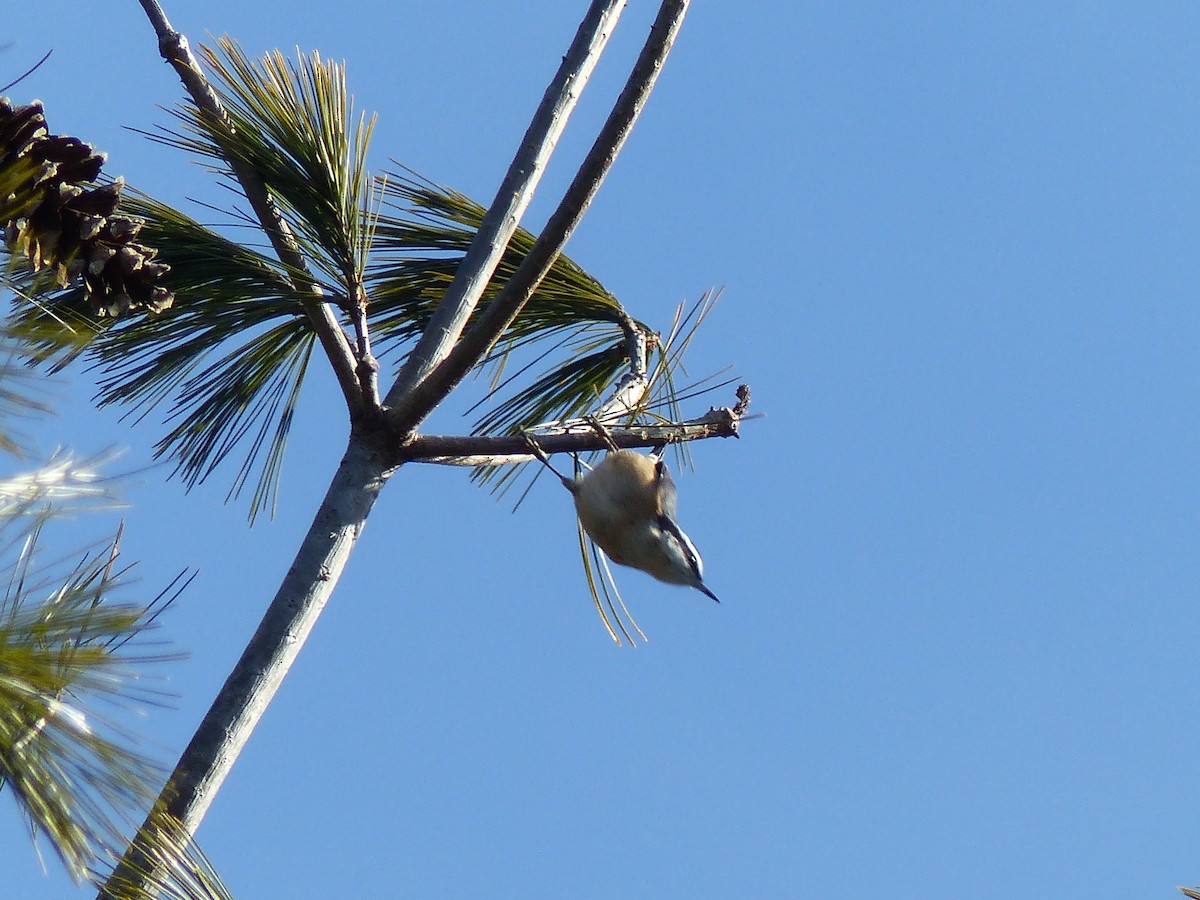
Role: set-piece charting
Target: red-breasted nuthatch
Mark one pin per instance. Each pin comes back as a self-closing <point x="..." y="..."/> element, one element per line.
<point x="626" y="505"/>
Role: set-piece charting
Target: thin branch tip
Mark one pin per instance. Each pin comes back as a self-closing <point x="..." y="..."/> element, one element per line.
<point x="579" y="437"/>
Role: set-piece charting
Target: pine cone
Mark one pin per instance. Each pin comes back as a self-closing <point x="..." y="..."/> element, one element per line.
<point x="56" y="216"/>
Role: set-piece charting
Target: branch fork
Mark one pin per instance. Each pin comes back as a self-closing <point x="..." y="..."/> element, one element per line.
<point x="442" y="358"/>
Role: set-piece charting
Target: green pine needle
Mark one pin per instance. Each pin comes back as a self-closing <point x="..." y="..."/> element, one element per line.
<point x="67" y="651"/>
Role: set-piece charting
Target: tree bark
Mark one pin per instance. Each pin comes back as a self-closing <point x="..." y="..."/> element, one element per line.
<point x="174" y="48"/>
<point x="514" y="195"/>
<point x="370" y="460"/>
<point x="248" y="690"/>
<point x="442" y="375"/>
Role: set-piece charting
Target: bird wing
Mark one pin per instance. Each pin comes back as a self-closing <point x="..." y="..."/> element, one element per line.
<point x="666" y="490"/>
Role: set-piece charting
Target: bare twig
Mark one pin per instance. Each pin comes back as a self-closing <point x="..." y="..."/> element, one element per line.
<point x="473" y="450"/>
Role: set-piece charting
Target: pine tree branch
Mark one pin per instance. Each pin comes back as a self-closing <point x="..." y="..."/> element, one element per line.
<point x="512" y="198"/>
<point x="174" y="48"/>
<point x="256" y="677"/>
<point x="369" y="461"/>
<point x="475" y="450"/>
<point x="410" y="409"/>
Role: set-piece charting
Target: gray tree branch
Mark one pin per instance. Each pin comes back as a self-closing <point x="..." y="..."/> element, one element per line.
<point x="174" y="48"/>
<point x="372" y="457"/>
<point x="407" y="410"/>
<point x="252" y="684"/>
<point x="512" y="198"/>
<point x="477" y="450"/>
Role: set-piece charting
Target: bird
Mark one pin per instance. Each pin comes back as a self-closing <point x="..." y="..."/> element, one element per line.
<point x="626" y="504"/>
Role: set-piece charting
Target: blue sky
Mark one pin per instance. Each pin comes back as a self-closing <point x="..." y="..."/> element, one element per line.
<point x="958" y="557"/>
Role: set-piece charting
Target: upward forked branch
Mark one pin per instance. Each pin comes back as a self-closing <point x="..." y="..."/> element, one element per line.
<point x="512" y="198"/>
<point x="413" y="402"/>
<point x="368" y="464"/>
